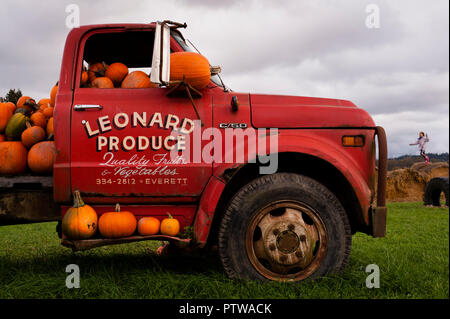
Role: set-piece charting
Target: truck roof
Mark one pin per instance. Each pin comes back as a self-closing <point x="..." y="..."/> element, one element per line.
<point x="150" y="25"/>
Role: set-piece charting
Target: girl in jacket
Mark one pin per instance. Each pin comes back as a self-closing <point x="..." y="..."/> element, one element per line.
<point x="422" y="141"/>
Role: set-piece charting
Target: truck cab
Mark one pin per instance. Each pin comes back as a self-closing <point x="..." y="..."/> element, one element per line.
<point x="285" y="210"/>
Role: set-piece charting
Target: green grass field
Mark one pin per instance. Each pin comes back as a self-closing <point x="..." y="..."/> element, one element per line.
<point x="413" y="261"/>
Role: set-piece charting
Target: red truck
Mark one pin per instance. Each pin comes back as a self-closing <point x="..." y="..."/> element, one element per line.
<point x="113" y="146"/>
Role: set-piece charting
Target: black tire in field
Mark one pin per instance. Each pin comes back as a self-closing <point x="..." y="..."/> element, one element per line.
<point x="433" y="191"/>
<point x="284" y="227"/>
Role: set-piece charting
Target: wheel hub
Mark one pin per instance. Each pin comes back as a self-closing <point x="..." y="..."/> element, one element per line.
<point x="287" y="241"/>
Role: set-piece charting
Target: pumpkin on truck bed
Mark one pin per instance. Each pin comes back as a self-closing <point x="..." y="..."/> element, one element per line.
<point x="13" y="158"/>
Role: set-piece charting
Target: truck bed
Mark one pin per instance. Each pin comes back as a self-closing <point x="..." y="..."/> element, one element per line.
<point x="27" y="199"/>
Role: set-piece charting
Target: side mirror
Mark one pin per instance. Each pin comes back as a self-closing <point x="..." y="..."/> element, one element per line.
<point x="215" y="70"/>
<point x="160" y="73"/>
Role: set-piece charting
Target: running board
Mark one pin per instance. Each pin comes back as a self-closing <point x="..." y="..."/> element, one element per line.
<point x="80" y="245"/>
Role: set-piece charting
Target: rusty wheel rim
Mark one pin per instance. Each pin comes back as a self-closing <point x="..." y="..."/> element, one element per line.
<point x="286" y="241"/>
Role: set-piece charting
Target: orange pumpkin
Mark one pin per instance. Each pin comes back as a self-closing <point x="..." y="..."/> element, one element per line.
<point x="43" y="107"/>
<point x="102" y="83"/>
<point x="137" y="80"/>
<point x="117" y="224"/>
<point x="116" y="72"/>
<point x="148" y="226"/>
<point x="170" y="226"/>
<point x="38" y="119"/>
<point x="80" y="221"/>
<point x="84" y="78"/>
<point x="21" y="101"/>
<point x="96" y="70"/>
<point x="13" y="158"/>
<point x="32" y="135"/>
<point x="41" y="157"/>
<point x="48" y="111"/>
<point x="44" y="102"/>
<point x="53" y="93"/>
<point x="28" y="103"/>
<point x="50" y="129"/>
<point x="11" y="106"/>
<point x="5" y="115"/>
<point x="191" y="66"/>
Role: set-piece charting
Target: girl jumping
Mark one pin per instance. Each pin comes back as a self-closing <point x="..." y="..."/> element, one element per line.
<point x="422" y="141"/>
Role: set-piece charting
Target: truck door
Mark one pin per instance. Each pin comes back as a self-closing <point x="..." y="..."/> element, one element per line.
<point x="121" y="137"/>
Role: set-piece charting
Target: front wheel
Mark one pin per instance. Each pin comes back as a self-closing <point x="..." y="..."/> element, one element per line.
<point x="284" y="227"/>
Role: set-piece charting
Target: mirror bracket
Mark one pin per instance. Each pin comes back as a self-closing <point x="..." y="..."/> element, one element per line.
<point x="178" y="86"/>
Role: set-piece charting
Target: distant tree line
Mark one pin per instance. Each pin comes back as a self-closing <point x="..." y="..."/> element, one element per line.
<point x="407" y="160"/>
<point x="12" y="96"/>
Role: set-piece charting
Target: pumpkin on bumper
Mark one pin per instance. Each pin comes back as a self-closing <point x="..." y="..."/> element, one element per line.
<point x="170" y="226"/>
<point x="117" y="224"/>
<point x="80" y="221"/>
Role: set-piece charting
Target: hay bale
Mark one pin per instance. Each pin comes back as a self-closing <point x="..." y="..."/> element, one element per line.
<point x="437" y="169"/>
<point x="420" y="166"/>
<point x="405" y="184"/>
<point x="408" y="184"/>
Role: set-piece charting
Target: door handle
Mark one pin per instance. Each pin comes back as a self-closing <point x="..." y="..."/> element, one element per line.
<point x="82" y="107"/>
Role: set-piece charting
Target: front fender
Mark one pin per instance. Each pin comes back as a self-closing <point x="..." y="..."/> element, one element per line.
<point x="333" y="154"/>
<point x="288" y="142"/>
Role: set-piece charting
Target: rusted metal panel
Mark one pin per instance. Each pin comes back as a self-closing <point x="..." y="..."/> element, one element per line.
<point x="26" y="182"/>
<point x="379" y="214"/>
<point x="27" y="206"/>
<point x="382" y="166"/>
<point x="27" y="199"/>
<point x="206" y="209"/>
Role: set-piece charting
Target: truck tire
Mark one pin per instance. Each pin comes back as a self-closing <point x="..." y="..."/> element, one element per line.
<point x="284" y="227"/>
<point x="433" y="190"/>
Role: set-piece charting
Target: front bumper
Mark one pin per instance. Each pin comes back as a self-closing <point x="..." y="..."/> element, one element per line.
<point x="379" y="213"/>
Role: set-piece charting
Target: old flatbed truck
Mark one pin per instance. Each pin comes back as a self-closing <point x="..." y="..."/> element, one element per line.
<point x="289" y="225"/>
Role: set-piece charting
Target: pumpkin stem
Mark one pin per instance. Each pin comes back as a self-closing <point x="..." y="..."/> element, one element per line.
<point x="99" y="73"/>
<point x="77" y="200"/>
<point x="31" y="103"/>
<point x="27" y="123"/>
<point x="170" y="216"/>
<point x="50" y="137"/>
<point x="117" y="208"/>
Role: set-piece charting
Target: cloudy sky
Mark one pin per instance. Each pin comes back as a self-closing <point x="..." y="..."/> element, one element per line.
<point x="398" y="72"/>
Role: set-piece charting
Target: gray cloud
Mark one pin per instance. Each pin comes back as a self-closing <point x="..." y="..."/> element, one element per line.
<point x="399" y="73"/>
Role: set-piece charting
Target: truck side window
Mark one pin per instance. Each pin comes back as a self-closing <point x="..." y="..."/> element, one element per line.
<point x="127" y="55"/>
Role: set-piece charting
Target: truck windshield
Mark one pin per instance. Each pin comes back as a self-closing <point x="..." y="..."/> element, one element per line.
<point x="186" y="47"/>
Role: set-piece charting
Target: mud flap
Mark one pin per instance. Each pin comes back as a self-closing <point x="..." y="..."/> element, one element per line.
<point x="379" y="222"/>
